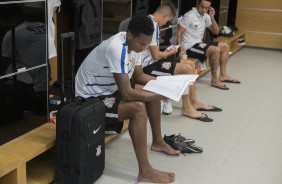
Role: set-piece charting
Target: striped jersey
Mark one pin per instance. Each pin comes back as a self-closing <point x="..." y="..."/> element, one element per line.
<point x="146" y="55"/>
<point x="95" y="75"/>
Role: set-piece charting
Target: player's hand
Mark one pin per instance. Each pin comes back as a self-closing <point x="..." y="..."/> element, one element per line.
<point x="211" y="11"/>
<point x="182" y="52"/>
<point x="173" y="51"/>
<point x="164" y="98"/>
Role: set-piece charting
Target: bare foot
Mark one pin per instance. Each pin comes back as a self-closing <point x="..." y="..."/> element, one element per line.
<point x="227" y="77"/>
<point x="193" y="114"/>
<point x="156" y="176"/>
<point x="200" y="105"/>
<point x="218" y="84"/>
<point x="164" y="147"/>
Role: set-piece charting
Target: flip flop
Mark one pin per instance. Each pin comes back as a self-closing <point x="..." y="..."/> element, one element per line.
<point x="213" y="109"/>
<point x="231" y="81"/>
<point x="224" y="87"/>
<point x="204" y="119"/>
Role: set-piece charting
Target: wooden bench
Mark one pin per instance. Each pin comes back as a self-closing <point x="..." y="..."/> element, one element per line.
<point x="232" y="41"/>
<point x="29" y="159"/>
<point x="11" y="169"/>
<point x="22" y="152"/>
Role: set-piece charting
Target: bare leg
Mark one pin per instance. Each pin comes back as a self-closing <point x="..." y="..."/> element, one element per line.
<point x="136" y="113"/>
<point x="158" y="144"/>
<point x="154" y="114"/>
<point x="193" y="93"/>
<point x="187" y="108"/>
<point x="194" y="100"/>
<point x="224" y="55"/>
<point x="213" y="53"/>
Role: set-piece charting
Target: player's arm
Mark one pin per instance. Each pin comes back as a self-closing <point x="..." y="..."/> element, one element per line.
<point x="180" y="31"/>
<point x="214" y="26"/>
<point x="140" y="77"/>
<point x="157" y="54"/>
<point x="129" y="94"/>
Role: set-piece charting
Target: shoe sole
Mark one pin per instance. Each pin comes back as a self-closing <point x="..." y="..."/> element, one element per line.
<point x="165" y="113"/>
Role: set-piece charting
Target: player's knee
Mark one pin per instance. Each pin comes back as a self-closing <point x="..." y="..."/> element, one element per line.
<point x="216" y="50"/>
<point x="139" y="109"/>
<point x="192" y="64"/>
<point x="137" y="105"/>
<point x="136" y="111"/>
<point x="188" y="69"/>
<point x="225" y="47"/>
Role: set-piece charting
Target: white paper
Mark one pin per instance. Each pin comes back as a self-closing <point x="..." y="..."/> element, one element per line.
<point x="190" y="78"/>
<point x="172" y="87"/>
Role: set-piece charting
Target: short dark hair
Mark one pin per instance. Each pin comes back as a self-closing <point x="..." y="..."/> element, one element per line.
<point x="140" y="24"/>
<point x="167" y="7"/>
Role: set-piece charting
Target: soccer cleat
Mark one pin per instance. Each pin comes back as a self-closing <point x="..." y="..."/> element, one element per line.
<point x="179" y="137"/>
<point x="167" y="107"/>
<point x="190" y="148"/>
<point x="179" y="142"/>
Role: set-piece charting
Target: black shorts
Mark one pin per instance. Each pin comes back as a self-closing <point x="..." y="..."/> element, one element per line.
<point x="199" y="50"/>
<point x="162" y="67"/>
<point x="113" y="125"/>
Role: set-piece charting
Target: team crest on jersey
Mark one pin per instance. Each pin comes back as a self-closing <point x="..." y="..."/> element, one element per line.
<point x="98" y="150"/>
<point x="196" y="24"/>
<point x="132" y="59"/>
<point x="109" y="102"/>
<point x="202" y="45"/>
<point x="166" y="65"/>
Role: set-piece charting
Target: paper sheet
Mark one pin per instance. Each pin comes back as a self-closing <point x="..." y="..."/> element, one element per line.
<point x="172" y="87"/>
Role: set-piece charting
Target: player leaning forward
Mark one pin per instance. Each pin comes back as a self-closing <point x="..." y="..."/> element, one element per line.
<point x="106" y="73"/>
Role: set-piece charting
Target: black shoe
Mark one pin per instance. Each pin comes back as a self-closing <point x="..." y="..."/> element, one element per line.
<point x="190" y="148"/>
<point x="179" y="142"/>
<point x="241" y="41"/>
<point x="178" y="137"/>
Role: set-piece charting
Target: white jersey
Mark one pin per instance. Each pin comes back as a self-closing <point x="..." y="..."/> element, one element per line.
<point x="95" y="75"/>
<point x="146" y="54"/>
<point x="52" y="6"/>
<point x="195" y="25"/>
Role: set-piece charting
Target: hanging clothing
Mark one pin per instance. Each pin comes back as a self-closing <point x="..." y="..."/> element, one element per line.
<point x="53" y="5"/>
<point x="141" y="7"/>
<point x="87" y="23"/>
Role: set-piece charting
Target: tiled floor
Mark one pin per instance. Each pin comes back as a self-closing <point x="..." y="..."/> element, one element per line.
<point x="242" y="146"/>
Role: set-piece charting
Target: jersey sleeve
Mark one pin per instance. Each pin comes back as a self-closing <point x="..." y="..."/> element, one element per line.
<point x="186" y="21"/>
<point x="117" y="56"/>
<point x="208" y="21"/>
<point x="155" y="38"/>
